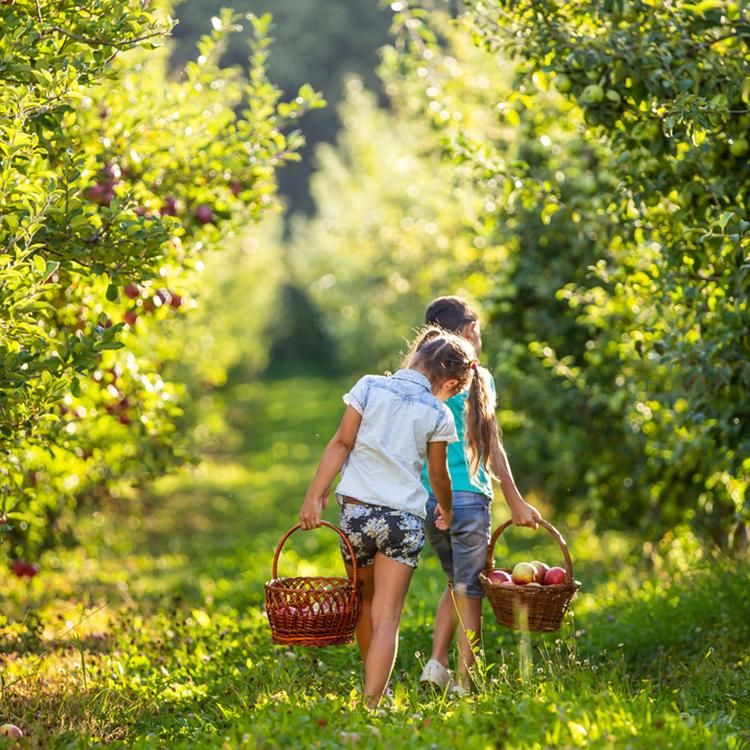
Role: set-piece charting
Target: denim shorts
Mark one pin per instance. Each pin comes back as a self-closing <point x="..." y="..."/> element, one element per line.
<point x="397" y="534"/>
<point x="462" y="550"/>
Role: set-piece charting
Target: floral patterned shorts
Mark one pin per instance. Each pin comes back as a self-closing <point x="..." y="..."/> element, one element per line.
<point x="397" y="534"/>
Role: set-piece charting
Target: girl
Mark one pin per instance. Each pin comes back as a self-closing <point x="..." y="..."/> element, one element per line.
<point x="462" y="549"/>
<point x="390" y="426"/>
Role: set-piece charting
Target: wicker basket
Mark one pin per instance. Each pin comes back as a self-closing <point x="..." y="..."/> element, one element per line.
<point x="529" y="607"/>
<point x="313" y="611"/>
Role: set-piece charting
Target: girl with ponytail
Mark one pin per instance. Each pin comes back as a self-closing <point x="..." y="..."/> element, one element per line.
<point x="473" y="461"/>
<point x="390" y="427"/>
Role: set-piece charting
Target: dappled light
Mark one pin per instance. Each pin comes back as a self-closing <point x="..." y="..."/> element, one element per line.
<point x="211" y="231"/>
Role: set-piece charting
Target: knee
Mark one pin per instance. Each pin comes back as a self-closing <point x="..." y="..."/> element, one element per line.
<point x="384" y="622"/>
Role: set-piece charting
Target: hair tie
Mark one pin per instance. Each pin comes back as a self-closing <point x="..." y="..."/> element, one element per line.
<point x="474" y="363"/>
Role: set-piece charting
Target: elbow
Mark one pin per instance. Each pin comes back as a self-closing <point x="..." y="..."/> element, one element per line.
<point x="342" y="445"/>
<point x="439" y="478"/>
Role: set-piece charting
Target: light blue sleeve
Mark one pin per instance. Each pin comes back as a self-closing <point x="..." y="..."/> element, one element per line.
<point x="445" y="431"/>
<point x="357" y="396"/>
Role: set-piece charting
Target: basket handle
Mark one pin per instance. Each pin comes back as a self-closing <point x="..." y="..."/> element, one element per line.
<point x="330" y="526"/>
<point x="556" y="535"/>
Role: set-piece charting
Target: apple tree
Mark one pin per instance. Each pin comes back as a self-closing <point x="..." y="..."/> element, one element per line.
<point x="115" y="182"/>
<point x="664" y="379"/>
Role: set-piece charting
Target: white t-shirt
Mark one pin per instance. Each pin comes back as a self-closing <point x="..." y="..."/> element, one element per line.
<point x="400" y="415"/>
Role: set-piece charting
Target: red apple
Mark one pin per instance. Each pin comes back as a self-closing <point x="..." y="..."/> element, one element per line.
<point x="111" y="173"/>
<point x="170" y="206"/>
<point x="554" y="576"/>
<point x="176" y="301"/>
<point x="32" y="569"/>
<point x="541" y="570"/>
<point x="235" y="186"/>
<point x="96" y="193"/>
<point x="148" y="305"/>
<point x="508" y="584"/>
<point x="498" y="576"/>
<point x="130" y="317"/>
<point x="204" y="214"/>
<point x="132" y="291"/>
<point x="523" y="573"/>
<point x="11" y="731"/>
<point x="19" y="568"/>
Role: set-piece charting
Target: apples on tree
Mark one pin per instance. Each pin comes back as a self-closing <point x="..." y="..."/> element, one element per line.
<point x="170" y="206"/>
<point x="204" y="214"/>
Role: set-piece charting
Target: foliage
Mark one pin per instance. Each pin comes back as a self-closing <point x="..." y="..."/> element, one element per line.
<point x="665" y="89"/>
<point x="606" y="235"/>
<point x="154" y="635"/>
<point x="105" y="216"/>
<point x="385" y="205"/>
<point x="315" y="41"/>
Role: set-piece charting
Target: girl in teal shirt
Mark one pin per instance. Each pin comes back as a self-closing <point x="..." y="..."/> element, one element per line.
<point x="462" y="549"/>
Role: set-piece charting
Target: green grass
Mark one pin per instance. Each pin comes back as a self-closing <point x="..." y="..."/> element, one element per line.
<point x="152" y="632"/>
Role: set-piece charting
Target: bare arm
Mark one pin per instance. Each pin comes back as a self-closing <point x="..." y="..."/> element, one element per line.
<point x="521" y="513"/>
<point x="336" y="452"/>
<point x="440" y="482"/>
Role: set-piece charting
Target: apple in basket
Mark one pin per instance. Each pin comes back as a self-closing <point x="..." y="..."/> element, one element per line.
<point x="541" y="570"/>
<point x="498" y="576"/>
<point x="523" y="573"/>
<point x="554" y="576"/>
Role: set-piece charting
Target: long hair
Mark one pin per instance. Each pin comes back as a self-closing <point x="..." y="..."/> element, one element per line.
<point x="446" y="356"/>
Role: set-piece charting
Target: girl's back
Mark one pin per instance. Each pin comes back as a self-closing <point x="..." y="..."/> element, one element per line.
<point x="400" y="416"/>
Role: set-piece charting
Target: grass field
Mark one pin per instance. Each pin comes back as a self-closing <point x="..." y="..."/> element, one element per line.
<point x="152" y="632"/>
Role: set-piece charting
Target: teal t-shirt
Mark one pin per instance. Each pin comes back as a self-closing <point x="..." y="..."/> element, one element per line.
<point x="458" y="464"/>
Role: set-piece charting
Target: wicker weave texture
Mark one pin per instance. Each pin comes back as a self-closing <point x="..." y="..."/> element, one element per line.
<point x="312" y="610"/>
<point x="531" y="607"/>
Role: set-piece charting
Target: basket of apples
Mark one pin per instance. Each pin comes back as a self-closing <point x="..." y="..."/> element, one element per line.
<point x="532" y="596"/>
<point x="313" y="610"/>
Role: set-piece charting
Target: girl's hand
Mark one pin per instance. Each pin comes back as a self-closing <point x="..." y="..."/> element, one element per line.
<point x="523" y="514"/>
<point x="309" y="515"/>
<point x="443" y="518"/>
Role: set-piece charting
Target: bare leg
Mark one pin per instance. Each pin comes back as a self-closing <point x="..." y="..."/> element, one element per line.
<point x="445" y="624"/>
<point x="470" y="619"/>
<point x="364" y="626"/>
<point x="391" y="582"/>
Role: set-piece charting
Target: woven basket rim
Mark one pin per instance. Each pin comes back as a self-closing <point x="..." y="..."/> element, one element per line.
<point x="335" y="583"/>
<point x="515" y="587"/>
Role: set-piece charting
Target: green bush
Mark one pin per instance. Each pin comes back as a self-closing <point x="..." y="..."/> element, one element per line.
<point x="114" y="185"/>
